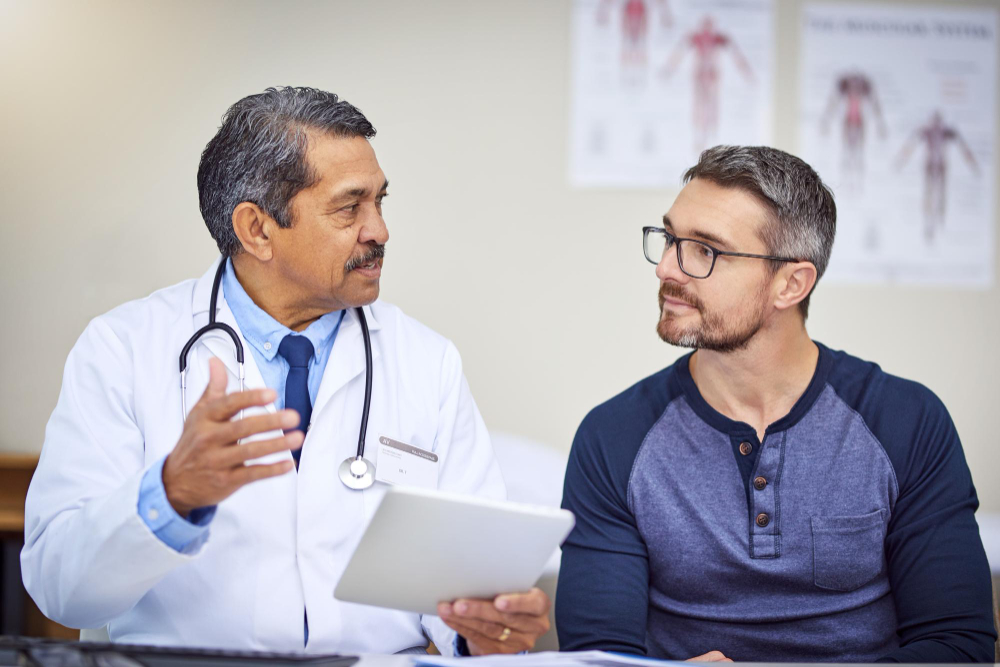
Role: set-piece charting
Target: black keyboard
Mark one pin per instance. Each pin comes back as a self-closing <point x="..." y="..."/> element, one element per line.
<point x="37" y="652"/>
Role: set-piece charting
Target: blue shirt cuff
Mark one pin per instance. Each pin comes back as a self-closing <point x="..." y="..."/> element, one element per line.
<point x="179" y="533"/>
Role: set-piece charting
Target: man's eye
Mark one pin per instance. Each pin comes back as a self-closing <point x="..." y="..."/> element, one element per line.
<point x="350" y="209"/>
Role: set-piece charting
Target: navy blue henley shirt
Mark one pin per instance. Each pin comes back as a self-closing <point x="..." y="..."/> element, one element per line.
<point x="847" y="534"/>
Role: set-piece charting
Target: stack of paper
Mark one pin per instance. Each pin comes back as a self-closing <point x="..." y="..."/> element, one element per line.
<point x="547" y="659"/>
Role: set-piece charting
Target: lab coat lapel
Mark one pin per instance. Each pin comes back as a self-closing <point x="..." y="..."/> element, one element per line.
<point x="347" y="360"/>
<point x="222" y="347"/>
<point x="218" y="343"/>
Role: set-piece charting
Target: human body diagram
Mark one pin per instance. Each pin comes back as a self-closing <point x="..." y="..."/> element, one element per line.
<point x="635" y="20"/>
<point x="706" y="44"/>
<point x="935" y="136"/>
<point x="854" y="94"/>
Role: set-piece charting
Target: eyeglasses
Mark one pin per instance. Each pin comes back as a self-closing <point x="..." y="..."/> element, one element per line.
<point x="695" y="258"/>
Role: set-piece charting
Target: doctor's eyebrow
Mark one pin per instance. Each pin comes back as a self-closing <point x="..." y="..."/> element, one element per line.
<point x="708" y="237"/>
<point x="358" y="192"/>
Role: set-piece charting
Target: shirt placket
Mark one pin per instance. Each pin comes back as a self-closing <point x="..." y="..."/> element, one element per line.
<point x="763" y="492"/>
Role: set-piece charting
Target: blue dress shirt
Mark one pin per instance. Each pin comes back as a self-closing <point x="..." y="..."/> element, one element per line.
<point x="264" y="334"/>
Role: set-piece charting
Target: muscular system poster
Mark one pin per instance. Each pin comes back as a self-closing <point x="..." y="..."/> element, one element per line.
<point x="898" y="114"/>
<point x="655" y="82"/>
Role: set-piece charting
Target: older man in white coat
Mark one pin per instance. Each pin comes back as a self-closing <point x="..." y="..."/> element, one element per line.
<point x="160" y="524"/>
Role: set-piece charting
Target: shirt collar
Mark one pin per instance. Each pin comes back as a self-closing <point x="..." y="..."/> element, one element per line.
<point x="263" y="331"/>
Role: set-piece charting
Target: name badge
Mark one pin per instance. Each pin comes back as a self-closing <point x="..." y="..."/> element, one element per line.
<point x="406" y="465"/>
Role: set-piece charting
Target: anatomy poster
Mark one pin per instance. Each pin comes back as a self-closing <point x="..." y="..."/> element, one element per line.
<point x="655" y="82"/>
<point x="898" y="114"/>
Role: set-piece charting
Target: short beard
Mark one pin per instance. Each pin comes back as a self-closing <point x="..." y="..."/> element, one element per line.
<point x="376" y="251"/>
<point x="715" y="332"/>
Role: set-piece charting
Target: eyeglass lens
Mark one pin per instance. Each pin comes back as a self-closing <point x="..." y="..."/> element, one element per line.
<point x="695" y="258"/>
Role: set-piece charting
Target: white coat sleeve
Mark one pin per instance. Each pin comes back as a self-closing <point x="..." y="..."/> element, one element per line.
<point x="88" y="555"/>
<point x="468" y="465"/>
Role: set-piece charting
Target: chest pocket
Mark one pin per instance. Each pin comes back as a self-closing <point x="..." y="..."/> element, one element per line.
<point x="848" y="551"/>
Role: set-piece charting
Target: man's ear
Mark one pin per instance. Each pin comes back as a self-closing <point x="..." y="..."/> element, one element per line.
<point x="795" y="283"/>
<point x="254" y="228"/>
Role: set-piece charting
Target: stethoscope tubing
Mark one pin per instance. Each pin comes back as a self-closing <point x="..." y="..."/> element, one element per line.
<point x="213" y="325"/>
<point x="368" y="384"/>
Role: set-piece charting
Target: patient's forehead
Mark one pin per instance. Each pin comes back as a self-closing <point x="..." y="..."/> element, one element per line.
<point x="727" y="217"/>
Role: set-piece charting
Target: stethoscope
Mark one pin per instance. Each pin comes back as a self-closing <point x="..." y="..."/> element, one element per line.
<point x="356" y="472"/>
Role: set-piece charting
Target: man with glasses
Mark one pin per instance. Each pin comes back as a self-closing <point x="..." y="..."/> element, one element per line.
<point x="766" y="498"/>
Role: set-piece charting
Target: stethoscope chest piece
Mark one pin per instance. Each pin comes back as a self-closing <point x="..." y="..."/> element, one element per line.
<point x="357" y="473"/>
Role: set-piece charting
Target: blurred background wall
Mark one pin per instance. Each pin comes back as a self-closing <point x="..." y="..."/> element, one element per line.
<point x="106" y="107"/>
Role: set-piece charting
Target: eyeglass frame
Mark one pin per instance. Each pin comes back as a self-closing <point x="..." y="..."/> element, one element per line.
<point x="715" y="252"/>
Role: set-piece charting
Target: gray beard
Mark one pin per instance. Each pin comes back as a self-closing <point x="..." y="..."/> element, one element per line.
<point x="714" y="334"/>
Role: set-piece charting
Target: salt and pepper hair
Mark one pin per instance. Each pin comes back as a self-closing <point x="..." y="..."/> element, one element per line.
<point x="801" y="214"/>
<point x="259" y="155"/>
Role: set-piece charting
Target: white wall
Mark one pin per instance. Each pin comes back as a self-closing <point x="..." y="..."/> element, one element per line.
<point x="107" y="105"/>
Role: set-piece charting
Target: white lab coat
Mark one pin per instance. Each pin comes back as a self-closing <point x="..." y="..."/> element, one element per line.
<point x="276" y="548"/>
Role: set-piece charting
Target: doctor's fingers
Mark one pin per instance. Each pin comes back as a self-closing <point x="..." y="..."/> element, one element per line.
<point x="485" y="628"/>
<point x="224" y="408"/>
<point x="487" y="637"/>
<point x="464" y="611"/>
<point x="237" y="455"/>
<point x="238" y="429"/>
<point x="534" y="602"/>
<point x="246" y="474"/>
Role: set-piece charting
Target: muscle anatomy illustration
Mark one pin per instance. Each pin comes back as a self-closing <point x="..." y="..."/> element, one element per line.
<point x="705" y="45"/>
<point x="935" y="137"/>
<point x="853" y="96"/>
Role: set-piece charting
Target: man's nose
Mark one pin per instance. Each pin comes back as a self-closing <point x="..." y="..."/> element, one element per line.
<point x="374" y="229"/>
<point x="670" y="269"/>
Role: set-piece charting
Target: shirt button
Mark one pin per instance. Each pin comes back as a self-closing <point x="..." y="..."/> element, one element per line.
<point x="763" y="520"/>
<point x="267" y="346"/>
<point x="153" y="514"/>
<point x="759" y="483"/>
<point x="745" y="448"/>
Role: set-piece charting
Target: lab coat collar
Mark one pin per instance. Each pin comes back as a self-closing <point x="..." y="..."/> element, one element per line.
<point x="218" y="342"/>
<point x="348" y="358"/>
<point x="203" y="294"/>
<point x="346" y="362"/>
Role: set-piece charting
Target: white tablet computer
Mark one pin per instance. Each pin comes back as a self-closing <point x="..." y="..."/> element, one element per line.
<point x="424" y="547"/>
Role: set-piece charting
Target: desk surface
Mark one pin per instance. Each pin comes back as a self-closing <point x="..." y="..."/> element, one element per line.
<point x="587" y="659"/>
<point x="408" y="661"/>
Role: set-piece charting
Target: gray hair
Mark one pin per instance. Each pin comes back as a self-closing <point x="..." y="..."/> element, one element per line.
<point x="259" y="155"/>
<point x="802" y="216"/>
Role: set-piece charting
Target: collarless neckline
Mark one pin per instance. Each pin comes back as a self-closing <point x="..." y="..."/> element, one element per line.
<point x="722" y="423"/>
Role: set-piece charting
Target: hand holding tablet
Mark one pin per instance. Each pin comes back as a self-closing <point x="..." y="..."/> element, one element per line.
<point x="509" y="623"/>
<point x="423" y="548"/>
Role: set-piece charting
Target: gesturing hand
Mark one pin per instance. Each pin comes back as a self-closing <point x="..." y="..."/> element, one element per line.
<point x="510" y="623"/>
<point x="207" y="465"/>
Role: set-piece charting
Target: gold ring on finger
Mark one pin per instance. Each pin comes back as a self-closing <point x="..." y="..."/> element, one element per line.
<point x="504" y="635"/>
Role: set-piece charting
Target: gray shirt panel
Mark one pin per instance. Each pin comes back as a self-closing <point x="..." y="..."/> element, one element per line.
<point x="812" y="571"/>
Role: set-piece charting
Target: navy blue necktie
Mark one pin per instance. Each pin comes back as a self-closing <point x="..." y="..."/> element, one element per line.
<point x="297" y="351"/>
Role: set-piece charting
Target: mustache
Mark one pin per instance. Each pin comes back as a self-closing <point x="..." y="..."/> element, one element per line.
<point x="375" y="251"/>
<point x="677" y="293"/>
